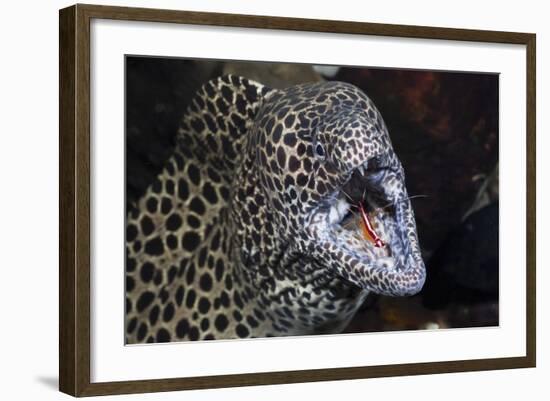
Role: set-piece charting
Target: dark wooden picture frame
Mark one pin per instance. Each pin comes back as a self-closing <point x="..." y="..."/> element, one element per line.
<point x="74" y="214"/>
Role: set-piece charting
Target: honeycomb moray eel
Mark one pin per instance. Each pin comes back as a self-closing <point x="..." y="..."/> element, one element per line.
<point x="250" y="229"/>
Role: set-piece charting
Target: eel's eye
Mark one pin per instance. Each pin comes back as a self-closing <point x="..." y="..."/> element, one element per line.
<point x="319" y="150"/>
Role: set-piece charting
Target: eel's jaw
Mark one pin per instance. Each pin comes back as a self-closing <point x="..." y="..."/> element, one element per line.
<point x="339" y="242"/>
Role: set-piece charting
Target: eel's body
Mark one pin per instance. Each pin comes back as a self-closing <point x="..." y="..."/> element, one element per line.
<point x="247" y="232"/>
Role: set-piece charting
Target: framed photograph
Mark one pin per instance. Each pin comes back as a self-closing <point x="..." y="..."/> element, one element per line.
<point x="250" y="200"/>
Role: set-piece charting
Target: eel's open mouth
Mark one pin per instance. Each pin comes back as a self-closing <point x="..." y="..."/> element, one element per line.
<point x="386" y="258"/>
<point x="356" y="221"/>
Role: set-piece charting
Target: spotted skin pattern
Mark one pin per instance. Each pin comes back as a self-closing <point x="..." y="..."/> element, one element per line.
<point x="242" y="234"/>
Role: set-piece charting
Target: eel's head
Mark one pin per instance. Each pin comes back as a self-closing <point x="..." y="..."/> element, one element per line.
<point x="325" y="154"/>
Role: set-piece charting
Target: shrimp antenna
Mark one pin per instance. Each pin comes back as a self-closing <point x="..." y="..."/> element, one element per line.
<point x="418" y="196"/>
<point x="349" y="197"/>
<point x="404" y="199"/>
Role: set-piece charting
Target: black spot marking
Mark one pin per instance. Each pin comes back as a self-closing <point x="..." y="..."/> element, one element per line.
<point x="301" y="149"/>
<point x="172" y="241"/>
<point x="183" y="189"/>
<point x="157" y="186"/>
<point x="222" y="106"/>
<point x="130" y="264"/>
<point x="251" y="321"/>
<point x="277" y="133"/>
<point x="209" y="193"/>
<point x="163" y="336"/>
<point x="238" y="300"/>
<point x="321" y="188"/>
<point x="191" y="296"/>
<point x="144" y="300"/>
<point x="238" y="121"/>
<point x="158" y="277"/>
<point x="142" y="332"/>
<point x="224" y="192"/>
<point x="204" y="305"/>
<point x="194" y="334"/>
<point x="147" y="226"/>
<point x="281" y="156"/>
<point x="213" y="175"/>
<point x="154" y="247"/>
<point x="168" y="312"/>
<point x="154" y="315"/>
<point x="190" y="274"/>
<point x="197" y="125"/>
<point x="146" y="272"/>
<point x="241" y="104"/>
<point x="194" y="174"/>
<point x="179" y="295"/>
<point x="242" y="331"/>
<point x="131" y="325"/>
<point x="131" y="232"/>
<point x="179" y="161"/>
<point x="169" y="186"/>
<point x="293" y="164"/>
<point x="190" y="241"/>
<point x="152" y="205"/>
<point x="165" y="205"/>
<point x="211" y="126"/>
<point x="130" y="283"/>
<point x="319" y="150"/>
<point x="215" y="243"/>
<point x="224" y="298"/>
<point x="193" y="221"/>
<point x="228" y="282"/>
<point x="237" y="315"/>
<point x="259" y="314"/>
<point x="289" y="120"/>
<point x="182" y="328"/>
<point x="163" y="295"/>
<point x="197" y="205"/>
<point x="172" y="274"/>
<point x="137" y="246"/>
<point x="221" y="323"/>
<point x="302" y="179"/>
<point x="227" y="94"/>
<point x="219" y="269"/>
<point x="205" y="282"/>
<point x="173" y="222"/>
<point x="290" y="139"/>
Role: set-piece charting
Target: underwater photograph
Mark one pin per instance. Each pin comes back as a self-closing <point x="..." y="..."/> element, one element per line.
<point x="273" y="199"/>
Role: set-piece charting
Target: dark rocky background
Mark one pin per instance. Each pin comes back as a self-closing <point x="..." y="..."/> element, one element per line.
<point x="444" y="127"/>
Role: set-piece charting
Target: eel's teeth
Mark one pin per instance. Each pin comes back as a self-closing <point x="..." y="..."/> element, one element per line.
<point x="342" y="206"/>
<point x="333" y="215"/>
<point x="361" y="170"/>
